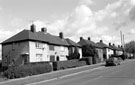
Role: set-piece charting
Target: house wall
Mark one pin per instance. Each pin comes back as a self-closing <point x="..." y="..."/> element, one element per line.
<point x="13" y="52"/>
<point x="38" y="51"/>
<point x="59" y="51"/>
<point x="80" y="51"/>
<point x="100" y="53"/>
<point x="109" y="52"/>
<point x="119" y="52"/>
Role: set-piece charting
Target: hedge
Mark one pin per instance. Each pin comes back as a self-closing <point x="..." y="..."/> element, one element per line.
<point x="96" y="60"/>
<point x="58" y="65"/>
<point x="88" y="60"/>
<point x="27" y="70"/>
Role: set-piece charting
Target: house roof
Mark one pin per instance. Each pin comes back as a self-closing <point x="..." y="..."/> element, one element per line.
<point x="84" y="42"/>
<point x="114" y="47"/>
<point x="72" y="43"/>
<point x="36" y="36"/>
<point x="103" y="45"/>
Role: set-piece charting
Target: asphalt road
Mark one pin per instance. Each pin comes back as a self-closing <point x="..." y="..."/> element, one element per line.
<point x="123" y="74"/>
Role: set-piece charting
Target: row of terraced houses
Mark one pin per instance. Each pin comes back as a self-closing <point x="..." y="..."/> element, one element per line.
<point x="33" y="46"/>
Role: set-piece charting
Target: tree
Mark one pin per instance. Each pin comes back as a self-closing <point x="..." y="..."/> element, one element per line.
<point x="89" y="50"/>
<point x="130" y="47"/>
<point x="73" y="53"/>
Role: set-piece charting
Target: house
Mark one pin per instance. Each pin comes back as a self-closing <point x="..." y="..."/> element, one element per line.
<point x="89" y="42"/>
<point x="107" y="51"/>
<point x="116" y="50"/>
<point x="31" y="46"/>
<point x="73" y="45"/>
<point x="120" y="50"/>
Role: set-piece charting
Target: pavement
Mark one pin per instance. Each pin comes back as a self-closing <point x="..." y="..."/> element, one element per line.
<point x="123" y="74"/>
<point x="52" y="75"/>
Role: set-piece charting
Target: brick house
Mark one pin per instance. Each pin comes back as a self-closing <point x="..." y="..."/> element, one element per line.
<point x="116" y="50"/>
<point x="89" y="42"/>
<point x="107" y="51"/>
<point x="72" y="46"/>
<point x="32" y="46"/>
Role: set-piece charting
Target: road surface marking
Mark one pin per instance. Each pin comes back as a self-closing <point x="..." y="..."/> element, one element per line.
<point x="64" y="76"/>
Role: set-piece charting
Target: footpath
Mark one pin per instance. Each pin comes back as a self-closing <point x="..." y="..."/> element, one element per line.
<point x="51" y="75"/>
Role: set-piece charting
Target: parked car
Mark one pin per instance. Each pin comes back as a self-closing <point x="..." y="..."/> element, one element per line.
<point x="113" y="61"/>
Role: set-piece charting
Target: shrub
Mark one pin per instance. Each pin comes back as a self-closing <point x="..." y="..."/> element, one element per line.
<point x="88" y="50"/>
<point x="88" y="60"/>
<point x="67" y="64"/>
<point x="96" y="60"/>
<point x="27" y="70"/>
<point x="73" y="54"/>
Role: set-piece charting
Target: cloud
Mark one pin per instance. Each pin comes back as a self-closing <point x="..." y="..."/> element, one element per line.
<point x="83" y="22"/>
<point x="114" y="14"/>
<point x="131" y="31"/>
<point x="86" y="2"/>
<point x="132" y="2"/>
<point x="132" y="13"/>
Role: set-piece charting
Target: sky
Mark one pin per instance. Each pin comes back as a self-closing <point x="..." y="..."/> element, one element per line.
<point x="98" y="19"/>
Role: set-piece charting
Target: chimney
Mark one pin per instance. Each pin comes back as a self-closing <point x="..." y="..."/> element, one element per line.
<point x="61" y="35"/>
<point x="33" y="28"/>
<point x="109" y="44"/>
<point x="44" y="30"/>
<point x="101" y="41"/>
<point x="81" y="38"/>
<point x="89" y="38"/>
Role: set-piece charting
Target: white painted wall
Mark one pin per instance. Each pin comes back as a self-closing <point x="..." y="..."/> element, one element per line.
<point x="119" y="52"/>
<point x="109" y="52"/>
<point x="80" y="51"/>
<point x="34" y="50"/>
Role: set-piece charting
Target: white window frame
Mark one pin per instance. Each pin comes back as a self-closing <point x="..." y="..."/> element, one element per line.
<point x="39" y="45"/>
<point x="39" y="57"/>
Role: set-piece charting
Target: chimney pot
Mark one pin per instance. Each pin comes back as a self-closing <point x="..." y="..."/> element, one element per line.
<point x="44" y="30"/>
<point x="81" y="38"/>
<point x="101" y="41"/>
<point x="109" y="44"/>
<point x="89" y="38"/>
<point x="61" y="35"/>
<point x="33" y="28"/>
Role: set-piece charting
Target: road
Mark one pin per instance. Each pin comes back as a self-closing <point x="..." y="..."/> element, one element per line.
<point x="123" y="74"/>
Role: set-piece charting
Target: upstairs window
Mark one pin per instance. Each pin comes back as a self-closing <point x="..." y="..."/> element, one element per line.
<point x="39" y="45"/>
<point x="51" y="47"/>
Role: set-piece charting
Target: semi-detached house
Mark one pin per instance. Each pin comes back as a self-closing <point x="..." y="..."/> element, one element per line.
<point x="89" y="42"/>
<point x="32" y="46"/>
<point x="107" y="51"/>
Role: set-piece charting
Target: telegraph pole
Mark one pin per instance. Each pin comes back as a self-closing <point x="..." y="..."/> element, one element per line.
<point x="121" y="38"/>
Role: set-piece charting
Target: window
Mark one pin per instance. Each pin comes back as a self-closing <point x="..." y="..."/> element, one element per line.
<point x="39" y="45"/>
<point x="62" y="48"/>
<point x="51" y="47"/>
<point x="39" y="57"/>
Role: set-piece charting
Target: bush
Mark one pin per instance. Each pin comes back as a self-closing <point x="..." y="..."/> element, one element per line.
<point x="58" y="65"/>
<point x="88" y="50"/>
<point x="27" y="70"/>
<point x="88" y="60"/>
<point x="96" y="60"/>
